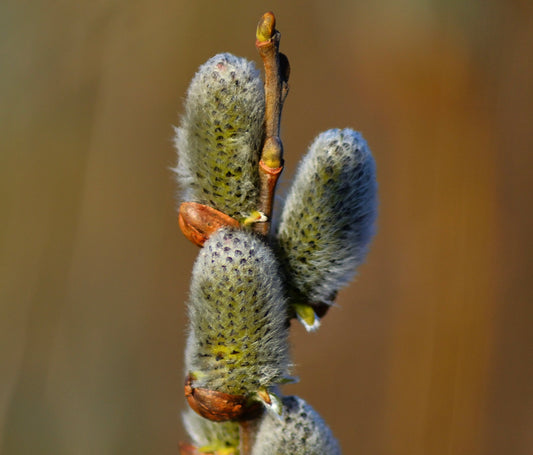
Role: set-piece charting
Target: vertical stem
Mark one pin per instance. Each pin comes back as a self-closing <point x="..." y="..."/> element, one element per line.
<point x="245" y="435"/>
<point x="276" y="88"/>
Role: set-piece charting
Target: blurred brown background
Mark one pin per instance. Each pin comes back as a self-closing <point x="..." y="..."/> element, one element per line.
<point x="430" y="351"/>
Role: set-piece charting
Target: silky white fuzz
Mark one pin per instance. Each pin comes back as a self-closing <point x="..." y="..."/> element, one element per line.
<point x="328" y="218"/>
<point x="238" y="316"/>
<point x="220" y="136"/>
<point x="299" y="431"/>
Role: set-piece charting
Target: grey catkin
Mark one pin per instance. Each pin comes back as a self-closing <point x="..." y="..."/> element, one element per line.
<point x="213" y="436"/>
<point x="220" y="136"/>
<point x="238" y="316"/>
<point x="299" y="431"/>
<point x="328" y="218"/>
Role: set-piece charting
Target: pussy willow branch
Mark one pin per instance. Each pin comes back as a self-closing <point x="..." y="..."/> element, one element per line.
<point x="270" y="166"/>
<point x="276" y="89"/>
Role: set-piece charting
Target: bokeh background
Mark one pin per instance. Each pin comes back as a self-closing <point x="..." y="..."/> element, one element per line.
<point x="429" y="351"/>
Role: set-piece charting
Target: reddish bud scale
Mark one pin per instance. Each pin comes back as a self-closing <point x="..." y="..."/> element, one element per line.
<point x="219" y="406"/>
<point x="198" y="222"/>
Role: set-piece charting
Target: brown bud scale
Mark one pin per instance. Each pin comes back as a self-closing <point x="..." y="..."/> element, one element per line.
<point x="198" y="221"/>
<point x="219" y="406"/>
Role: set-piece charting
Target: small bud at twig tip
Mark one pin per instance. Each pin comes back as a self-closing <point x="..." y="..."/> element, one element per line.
<point x="266" y="27"/>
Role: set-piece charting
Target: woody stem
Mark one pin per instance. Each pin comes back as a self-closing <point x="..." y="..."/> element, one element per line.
<point x="276" y="89"/>
<point x="245" y="436"/>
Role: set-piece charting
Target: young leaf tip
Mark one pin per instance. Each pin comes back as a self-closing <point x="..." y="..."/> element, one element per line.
<point x="307" y="316"/>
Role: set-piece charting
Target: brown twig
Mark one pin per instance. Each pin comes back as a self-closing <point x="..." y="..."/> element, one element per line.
<point x="276" y="89"/>
<point x="245" y="437"/>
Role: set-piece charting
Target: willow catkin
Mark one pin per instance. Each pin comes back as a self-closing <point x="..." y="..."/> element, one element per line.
<point x="211" y="436"/>
<point x="238" y="316"/>
<point x="299" y="431"/>
<point x="220" y="136"/>
<point x="328" y="218"/>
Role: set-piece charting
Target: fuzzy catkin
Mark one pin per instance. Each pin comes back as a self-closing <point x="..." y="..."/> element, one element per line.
<point x="328" y="218"/>
<point x="220" y="136"/>
<point x="299" y="431"/>
<point x="238" y="316"/>
<point x="211" y="435"/>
